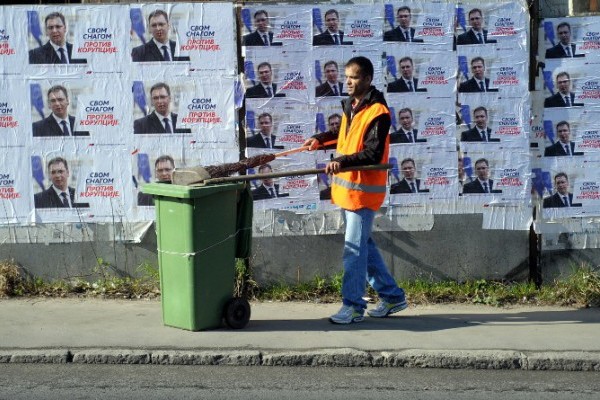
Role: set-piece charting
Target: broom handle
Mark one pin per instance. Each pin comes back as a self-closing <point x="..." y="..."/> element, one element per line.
<point x="289" y="173"/>
<point x="303" y="148"/>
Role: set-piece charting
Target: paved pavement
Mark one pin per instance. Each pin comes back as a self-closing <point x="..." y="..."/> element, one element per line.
<point x="437" y="336"/>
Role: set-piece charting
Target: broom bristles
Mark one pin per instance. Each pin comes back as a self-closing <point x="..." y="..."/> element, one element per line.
<point x="223" y="170"/>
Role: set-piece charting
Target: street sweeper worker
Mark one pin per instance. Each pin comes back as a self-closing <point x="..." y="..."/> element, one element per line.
<point x="362" y="140"/>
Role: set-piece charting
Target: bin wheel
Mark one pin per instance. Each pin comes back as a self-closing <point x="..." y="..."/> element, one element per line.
<point x="237" y="313"/>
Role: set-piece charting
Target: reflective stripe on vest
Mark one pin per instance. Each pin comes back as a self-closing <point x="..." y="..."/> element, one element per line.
<point x="354" y="190"/>
<point x="359" y="186"/>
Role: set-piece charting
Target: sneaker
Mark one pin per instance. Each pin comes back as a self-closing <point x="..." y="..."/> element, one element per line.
<point x="384" y="309"/>
<point x="346" y="315"/>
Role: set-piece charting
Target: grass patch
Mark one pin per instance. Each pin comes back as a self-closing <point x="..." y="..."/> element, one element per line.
<point x="580" y="288"/>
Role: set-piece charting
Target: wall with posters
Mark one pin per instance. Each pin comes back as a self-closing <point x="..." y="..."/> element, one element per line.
<point x="456" y="82"/>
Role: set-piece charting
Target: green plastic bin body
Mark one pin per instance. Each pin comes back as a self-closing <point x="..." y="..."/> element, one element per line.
<point x="195" y="229"/>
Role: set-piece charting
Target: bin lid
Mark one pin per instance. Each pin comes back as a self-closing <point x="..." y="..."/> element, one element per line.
<point x="188" y="192"/>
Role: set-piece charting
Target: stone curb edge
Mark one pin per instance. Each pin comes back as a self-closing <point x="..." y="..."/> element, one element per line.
<point x="450" y="359"/>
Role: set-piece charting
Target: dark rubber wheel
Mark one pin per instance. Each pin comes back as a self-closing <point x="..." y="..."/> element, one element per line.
<point x="237" y="313"/>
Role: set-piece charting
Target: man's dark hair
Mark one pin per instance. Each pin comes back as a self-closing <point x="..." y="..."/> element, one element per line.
<point x="261" y="12"/>
<point x="265" y="115"/>
<point x="334" y="116"/>
<point x="57" y="160"/>
<point x="410" y="160"/>
<point x="264" y="166"/>
<point x="563" y="73"/>
<point x="481" y="108"/>
<point x="54" y="15"/>
<point x="561" y="123"/>
<point x="406" y="59"/>
<point x="559" y="175"/>
<point x="160" y="85"/>
<point x="403" y="8"/>
<point x="364" y="64"/>
<point x="156" y="13"/>
<point x="58" y="88"/>
<point x="264" y="63"/>
<point x="475" y="10"/>
<point x="482" y="160"/>
<point x="331" y="62"/>
<point x="405" y="109"/>
<point x="564" y="23"/>
<point x="332" y="11"/>
<point x="475" y="59"/>
<point x="164" y="158"/>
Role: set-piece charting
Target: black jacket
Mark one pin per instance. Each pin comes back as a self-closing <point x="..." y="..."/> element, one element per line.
<point x="375" y="138"/>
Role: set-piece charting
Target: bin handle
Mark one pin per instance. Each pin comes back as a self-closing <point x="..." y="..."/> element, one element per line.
<point x="300" y="172"/>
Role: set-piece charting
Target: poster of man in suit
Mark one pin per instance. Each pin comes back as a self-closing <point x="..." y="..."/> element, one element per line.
<point x="57" y="49"/>
<point x="59" y="120"/>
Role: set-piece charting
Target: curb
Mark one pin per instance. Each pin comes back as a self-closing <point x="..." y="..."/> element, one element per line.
<point x="345" y="357"/>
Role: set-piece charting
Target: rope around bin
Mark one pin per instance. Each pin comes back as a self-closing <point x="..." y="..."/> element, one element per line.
<point x="175" y="253"/>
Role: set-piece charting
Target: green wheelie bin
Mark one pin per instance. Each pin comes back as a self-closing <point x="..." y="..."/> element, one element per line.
<point x="200" y="230"/>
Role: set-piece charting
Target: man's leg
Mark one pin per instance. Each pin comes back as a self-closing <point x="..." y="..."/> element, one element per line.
<point x="358" y="230"/>
<point x="359" y="224"/>
<point x="380" y="278"/>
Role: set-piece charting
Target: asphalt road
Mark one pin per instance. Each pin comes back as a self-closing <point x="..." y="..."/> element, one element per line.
<point x="150" y="382"/>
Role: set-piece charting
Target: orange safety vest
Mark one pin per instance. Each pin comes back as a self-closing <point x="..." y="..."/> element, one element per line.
<point x="353" y="190"/>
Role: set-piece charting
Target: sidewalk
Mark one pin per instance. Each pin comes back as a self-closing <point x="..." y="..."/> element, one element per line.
<point x="442" y="336"/>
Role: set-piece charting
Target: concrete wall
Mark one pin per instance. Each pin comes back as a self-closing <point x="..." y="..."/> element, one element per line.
<point x="457" y="248"/>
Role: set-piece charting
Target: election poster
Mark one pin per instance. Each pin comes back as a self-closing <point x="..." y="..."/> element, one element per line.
<point x="13" y="42"/>
<point x="496" y="176"/>
<point x="51" y="33"/>
<point x="427" y="23"/>
<point x="15" y="188"/>
<point x="328" y="115"/>
<point x="497" y="23"/>
<point x="569" y="132"/>
<point x="276" y="73"/>
<point x="411" y="71"/>
<point x="422" y="176"/>
<point x="361" y="26"/>
<point x="566" y="188"/>
<point x="417" y="119"/>
<point x="101" y="115"/>
<point x="332" y="26"/>
<point x="492" y="69"/>
<point x="570" y="38"/>
<point x="154" y="159"/>
<point x="102" y="38"/>
<point x="56" y="179"/>
<point x="278" y="124"/>
<point x="327" y="70"/>
<point x="187" y="109"/>
<point x="15" y="120"/>
<point x="494" y="119"/>
<point x="155" y="42"/>
<point x="271" y="25"/>
<point x="205" y="37"/>
<point x="293" y="193"/>
<point x="105" y="184"/>
<point x="206" y="110"/>
<point x="58" y="114"/>
<point x="570" y="83"/>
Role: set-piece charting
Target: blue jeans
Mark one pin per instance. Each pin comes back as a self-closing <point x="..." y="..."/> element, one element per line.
<point x="363" y="262"/>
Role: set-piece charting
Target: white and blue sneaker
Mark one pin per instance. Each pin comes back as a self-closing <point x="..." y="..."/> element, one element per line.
<point x="384" y="309"/>
<point x="347" y="315"/>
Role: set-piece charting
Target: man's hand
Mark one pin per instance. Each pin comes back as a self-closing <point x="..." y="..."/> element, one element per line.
<point x="333" y="167"/>
<point x="312" y="143"/>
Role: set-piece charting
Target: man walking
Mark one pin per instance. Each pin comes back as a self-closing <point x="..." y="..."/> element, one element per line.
<point x="362" y="140"/>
